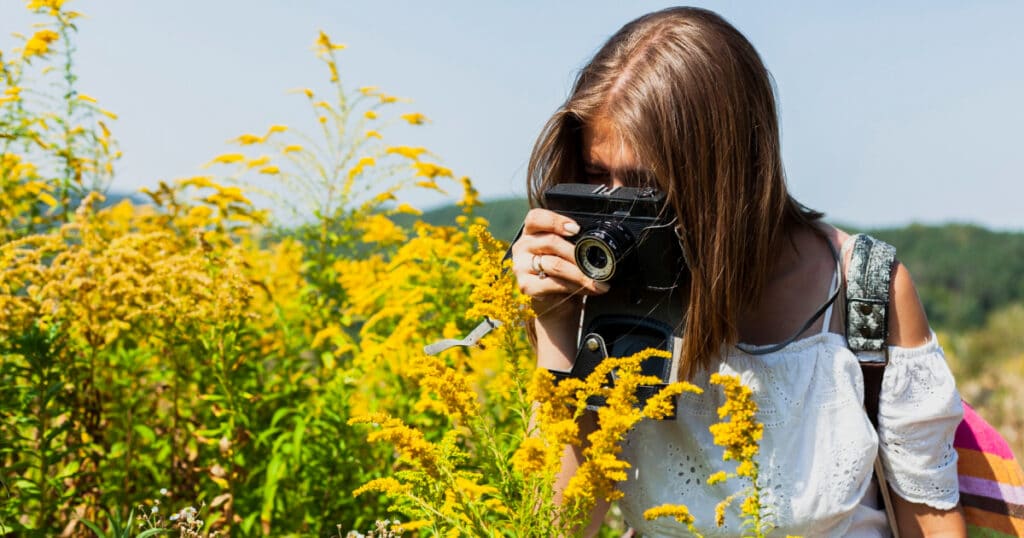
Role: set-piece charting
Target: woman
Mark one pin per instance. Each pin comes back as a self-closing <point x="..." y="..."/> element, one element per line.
<point x="680" y="100"/>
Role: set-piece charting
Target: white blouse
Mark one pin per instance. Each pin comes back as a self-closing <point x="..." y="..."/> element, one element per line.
<point x="818" y="450"/>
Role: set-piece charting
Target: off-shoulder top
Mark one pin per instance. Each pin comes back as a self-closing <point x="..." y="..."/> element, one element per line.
<point x="817" y="455"/>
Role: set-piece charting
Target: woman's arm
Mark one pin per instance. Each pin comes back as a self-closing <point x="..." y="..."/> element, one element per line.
<point x="557" y="302"/>
<point x="908" y="327"/>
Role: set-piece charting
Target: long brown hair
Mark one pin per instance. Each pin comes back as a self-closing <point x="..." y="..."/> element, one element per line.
<point x="692" y="98"/>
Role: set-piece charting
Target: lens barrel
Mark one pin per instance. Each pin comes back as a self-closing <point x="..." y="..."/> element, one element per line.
<point x="600" y="250"/>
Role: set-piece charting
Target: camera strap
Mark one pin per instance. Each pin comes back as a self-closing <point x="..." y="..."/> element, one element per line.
<point x="484" y="327"/>
<point x="814" y="317"/>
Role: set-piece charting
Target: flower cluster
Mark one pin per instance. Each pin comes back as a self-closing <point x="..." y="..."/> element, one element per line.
<point x="562" y="405"/>
<point x="740" y="435"/>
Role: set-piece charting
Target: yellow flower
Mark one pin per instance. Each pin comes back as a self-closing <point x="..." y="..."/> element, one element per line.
<point x="275" y="129"/>
<point x="409" y="442"/>
<point x="717" y="478"/>
<point x="413" y="526"/>
<point x="373" y="134"/>
<point x="739" y="434"/>
<point x="387" y="486"/>
<point x="679" y="512"/>
<point x="470" y="198"/>
<point x="385" y="196"/>
<point x="258" y="161"/>
<point x="746" y="469"/>
<point x="368" y="90"/>
<point x="380" y="229"/>
<point x="270" y="170"/>
<point x="86" y="98"/>
<point x="406" y="151"/>
<point x="370" y="115"/>
<point x="227" y="158"/>
<point x="431" y="170"/>
<point x="40" y="43"/>
<point x="12" y="93"/>
<point x="324" y="43"/>
<point x="35" y="5"/>
<point x="292" y="148"/>
<point x="751" y="506"/>
<point x="720" y="511"/>
<point x="415" y="118"/>
<point x="454" y="390"/>
<point x="531" y="457"/>
<point x="496" y="294"/>
<point x="248" y="139"/>
<point x="407" y="209"/>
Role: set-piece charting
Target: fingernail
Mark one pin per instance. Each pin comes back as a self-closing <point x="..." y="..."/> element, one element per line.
<point x="571" y="227"/>
<point x="602" y="287"/>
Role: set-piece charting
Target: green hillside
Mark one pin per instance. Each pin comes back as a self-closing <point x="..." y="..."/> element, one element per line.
<point x="505" y="216"/>
<point x="963" y="272"/>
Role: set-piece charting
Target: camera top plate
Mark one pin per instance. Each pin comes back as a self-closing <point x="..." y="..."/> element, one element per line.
<point x="644" y="202"/>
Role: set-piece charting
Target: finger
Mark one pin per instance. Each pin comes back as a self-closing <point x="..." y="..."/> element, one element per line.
<point x="542" y="288"/>
<point x="542" y="220"/>
<point x="544" y="243"/>
<point x="564" y="275"/>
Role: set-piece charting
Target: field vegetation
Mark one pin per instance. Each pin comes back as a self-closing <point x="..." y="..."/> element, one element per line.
<point x="179" y="362"/>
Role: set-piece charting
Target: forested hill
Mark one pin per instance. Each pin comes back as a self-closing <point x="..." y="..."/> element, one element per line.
<point x="963" y="272"/>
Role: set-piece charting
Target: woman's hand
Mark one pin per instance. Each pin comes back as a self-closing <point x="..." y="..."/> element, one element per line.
<point x="545" y="266"/>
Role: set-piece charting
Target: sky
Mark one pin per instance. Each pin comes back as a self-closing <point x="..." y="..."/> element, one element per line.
<point x="890" y="113"/>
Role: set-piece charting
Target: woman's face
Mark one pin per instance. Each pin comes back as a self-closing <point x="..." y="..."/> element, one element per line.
<point x="607" y="159"/>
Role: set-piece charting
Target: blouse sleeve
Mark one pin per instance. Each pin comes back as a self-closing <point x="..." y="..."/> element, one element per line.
<point x="918" y="412"/>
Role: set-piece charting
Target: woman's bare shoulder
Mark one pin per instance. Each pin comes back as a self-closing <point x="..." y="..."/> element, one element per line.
<point x="908" y="323"/>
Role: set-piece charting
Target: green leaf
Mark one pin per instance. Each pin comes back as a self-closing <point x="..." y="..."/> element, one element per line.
<point x="145" y="432"/>
<point x="280" y="414"/>
<point x="69" y="470"/>
<point x="274" y="471"/>
<point x="297" y="435"/>
<point x="27" y="487"/>
<point x="116" y="450"/>
<point x="94" y="528"/>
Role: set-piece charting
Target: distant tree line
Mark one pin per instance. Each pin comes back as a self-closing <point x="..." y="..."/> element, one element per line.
<point x="963" y="272"/>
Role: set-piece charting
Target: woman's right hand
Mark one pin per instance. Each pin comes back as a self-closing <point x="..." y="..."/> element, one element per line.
<point x="545" y="266"/>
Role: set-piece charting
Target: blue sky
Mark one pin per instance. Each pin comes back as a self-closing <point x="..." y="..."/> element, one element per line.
<point x="890" y="113"/>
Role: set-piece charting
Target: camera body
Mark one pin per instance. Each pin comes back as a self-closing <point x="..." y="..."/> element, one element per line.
<point x="624" y="239"/>
<point x="627" y="241"/>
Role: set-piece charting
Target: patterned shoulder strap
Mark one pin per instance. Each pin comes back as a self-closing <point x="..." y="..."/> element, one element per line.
<point x="867" y="329"/>
<point x="867" y="311"/>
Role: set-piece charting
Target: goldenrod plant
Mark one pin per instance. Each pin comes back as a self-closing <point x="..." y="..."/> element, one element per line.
<point x="55" y="142"/>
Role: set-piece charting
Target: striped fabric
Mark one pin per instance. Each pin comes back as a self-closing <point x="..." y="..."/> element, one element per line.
<point x="991" y="480"/>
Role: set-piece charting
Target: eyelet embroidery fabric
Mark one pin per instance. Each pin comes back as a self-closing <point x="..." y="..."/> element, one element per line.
<point x="818" y="448"/>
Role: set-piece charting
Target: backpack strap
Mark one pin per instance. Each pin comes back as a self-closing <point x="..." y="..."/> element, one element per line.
<point x="867" y="312"/>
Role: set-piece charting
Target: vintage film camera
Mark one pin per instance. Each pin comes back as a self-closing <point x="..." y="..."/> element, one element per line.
<point x="627" y="239"/>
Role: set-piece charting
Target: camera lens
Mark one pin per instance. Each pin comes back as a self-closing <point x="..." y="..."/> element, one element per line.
<point x="599" y="250"/>
<point x="597" y="257"/>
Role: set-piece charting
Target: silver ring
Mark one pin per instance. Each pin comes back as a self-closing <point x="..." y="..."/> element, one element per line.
<point x="537" y="266"/>
<point x="542" y="275"/>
